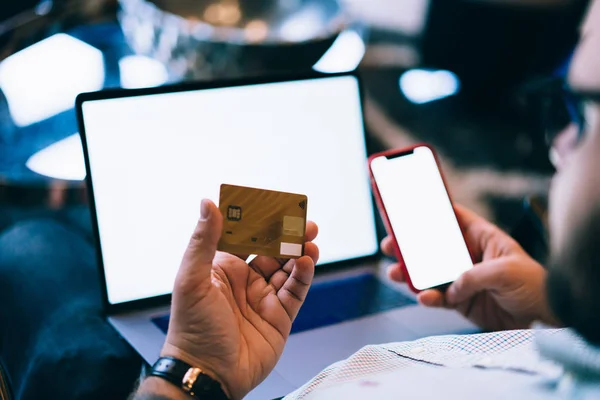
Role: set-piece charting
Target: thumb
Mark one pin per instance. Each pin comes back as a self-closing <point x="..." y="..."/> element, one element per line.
<point x="487" y="275"/>
<point x="202" y="247"/>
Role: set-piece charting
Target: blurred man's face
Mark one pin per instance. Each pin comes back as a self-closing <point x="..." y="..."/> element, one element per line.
<point x="574" y="280"/>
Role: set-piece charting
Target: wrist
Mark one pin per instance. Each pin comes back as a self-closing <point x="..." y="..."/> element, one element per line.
<point x="170" y="350"/>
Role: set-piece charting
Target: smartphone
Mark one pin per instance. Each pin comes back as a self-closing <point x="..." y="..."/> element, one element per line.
<point x="418" y="213"/>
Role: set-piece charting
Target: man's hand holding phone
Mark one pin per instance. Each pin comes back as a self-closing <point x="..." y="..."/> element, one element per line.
<point x="417" y="210"/>
<point x="504" y="289"/>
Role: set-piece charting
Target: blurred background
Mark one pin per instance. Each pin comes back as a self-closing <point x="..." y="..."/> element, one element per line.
<point x="448" y="72"/>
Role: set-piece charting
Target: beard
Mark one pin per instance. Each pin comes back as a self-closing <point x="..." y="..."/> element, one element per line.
<point x="573" y="283"/>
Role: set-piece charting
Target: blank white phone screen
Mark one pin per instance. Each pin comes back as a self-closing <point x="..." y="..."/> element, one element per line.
<point x="422" y="218"/>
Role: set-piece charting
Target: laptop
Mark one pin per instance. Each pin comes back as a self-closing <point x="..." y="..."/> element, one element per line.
<point x="151" y="156"/>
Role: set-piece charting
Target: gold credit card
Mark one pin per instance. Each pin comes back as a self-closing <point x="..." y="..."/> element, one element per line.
<point x="262" y="222"/>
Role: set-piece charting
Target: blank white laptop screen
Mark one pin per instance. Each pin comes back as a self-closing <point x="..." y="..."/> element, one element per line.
<point x="154" y="157"/>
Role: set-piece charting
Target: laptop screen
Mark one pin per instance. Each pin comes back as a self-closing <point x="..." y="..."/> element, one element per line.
<point x="153" y="157"/>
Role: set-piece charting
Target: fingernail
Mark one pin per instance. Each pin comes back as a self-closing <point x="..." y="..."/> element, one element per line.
<point x="204" y="209"/>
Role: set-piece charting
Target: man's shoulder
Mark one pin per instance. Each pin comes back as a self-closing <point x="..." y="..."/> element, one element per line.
<point x="489" y="342"/>
<point x="513" y="350"/>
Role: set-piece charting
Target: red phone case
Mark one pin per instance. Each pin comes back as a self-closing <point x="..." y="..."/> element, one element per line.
<point x="383" y="211"/>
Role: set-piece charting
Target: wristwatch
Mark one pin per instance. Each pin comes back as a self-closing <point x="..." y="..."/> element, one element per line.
<point x="190" y="379"/>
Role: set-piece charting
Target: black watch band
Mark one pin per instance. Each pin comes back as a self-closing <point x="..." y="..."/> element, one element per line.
<point x="189" y="379"/>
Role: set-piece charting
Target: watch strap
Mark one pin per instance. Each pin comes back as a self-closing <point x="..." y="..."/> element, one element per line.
<point x="190" y="379"/>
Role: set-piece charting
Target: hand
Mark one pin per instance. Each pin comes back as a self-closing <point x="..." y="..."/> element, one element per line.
<point x="232" y="319"/>
<point x="504" y="290"/>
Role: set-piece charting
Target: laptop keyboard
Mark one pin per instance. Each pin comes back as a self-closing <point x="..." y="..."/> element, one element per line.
<point x="332" y="302"/>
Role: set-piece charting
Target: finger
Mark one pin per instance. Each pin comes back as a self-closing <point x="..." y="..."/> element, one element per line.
<point x="387" y="246"/>
<point x="312" y="230"/>
<point x="267" y="266"/>
<point x="474" y="228"/>
<point x="478" y="231"/>
<point x="431" y="298"/>
<point x="467" y="217"/>
<point x="489" y="275"/>
<point x="484" y="239"/>
<point x="202" y="247"/>
<point x="281" y="276"/>
<point x="293" y="292"/>
<point x="312" y="250"/>
<point x="396" y="273"/>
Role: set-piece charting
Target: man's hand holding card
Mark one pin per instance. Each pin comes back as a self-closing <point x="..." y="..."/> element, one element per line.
<point x="248" y="307"/>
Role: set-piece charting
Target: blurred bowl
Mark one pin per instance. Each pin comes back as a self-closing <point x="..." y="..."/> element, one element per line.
<point x="200" y="39"/>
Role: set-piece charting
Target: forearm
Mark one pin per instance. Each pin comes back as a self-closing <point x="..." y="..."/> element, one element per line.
<point x="153" y="388"/>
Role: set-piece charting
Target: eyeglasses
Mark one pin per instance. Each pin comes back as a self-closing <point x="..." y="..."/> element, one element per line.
<point x="559" y="106"/>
